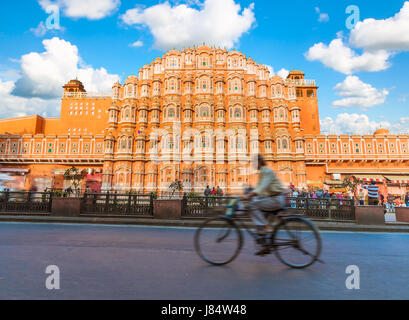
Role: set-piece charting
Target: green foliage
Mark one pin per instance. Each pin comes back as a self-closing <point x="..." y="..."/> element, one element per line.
<point x="76" y="177"/>
<point x="351" y="183"/>
<point x="176" y="186"/>
<point x="60" y="194"/>
<point x="193" y="194"/>
<point x="154" y="195"/>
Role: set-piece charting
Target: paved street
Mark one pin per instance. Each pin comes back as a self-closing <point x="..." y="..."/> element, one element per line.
<point x="114" y="262"/>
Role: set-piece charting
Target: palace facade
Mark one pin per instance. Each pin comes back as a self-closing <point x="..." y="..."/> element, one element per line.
<point x="199" y="116"/>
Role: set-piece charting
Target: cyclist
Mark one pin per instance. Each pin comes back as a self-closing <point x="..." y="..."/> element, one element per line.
<point x="266" y="197"/>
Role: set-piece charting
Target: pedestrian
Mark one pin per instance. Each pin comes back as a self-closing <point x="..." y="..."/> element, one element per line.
<point x="373" y="193"/>
<point x="293" y="201"/>
<point x="382" y="199"/>
<point x="407" y="199"/>
<point x="361" y="197"/>
<point x="219" y="192"/>
<point x="207" y="194"/>
<point x="207" y="191"/>
<point x="213" y="192"/>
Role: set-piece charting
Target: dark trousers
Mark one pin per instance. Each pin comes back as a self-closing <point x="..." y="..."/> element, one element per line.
<point x="373" y="201"/>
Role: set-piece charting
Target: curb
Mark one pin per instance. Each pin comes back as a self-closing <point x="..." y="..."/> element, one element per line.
<point x="193" y="223"/>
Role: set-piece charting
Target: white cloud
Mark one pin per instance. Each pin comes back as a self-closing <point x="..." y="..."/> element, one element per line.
<point x="343" y="59"/>
<point x="387" y="34"/>
<point x="13" y="106"/>
<point x="90" y="9"/>
<point x="217" y="22"/>
<point x="136" y="44"/>
<point x="44" y="74"/>
<point x="40" y="30"/>
<point x="283" y="73"/>
<point x="360" y="124"/>
<point x="358" y="94"/>
<point x="322" y="17"/>
<point x="379" y="40"/>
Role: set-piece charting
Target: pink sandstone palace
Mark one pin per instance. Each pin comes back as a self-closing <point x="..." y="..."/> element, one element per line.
<point x="199" y="116"/>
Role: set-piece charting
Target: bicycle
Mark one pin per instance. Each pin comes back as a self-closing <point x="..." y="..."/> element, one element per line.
<point x="292" y="233"/>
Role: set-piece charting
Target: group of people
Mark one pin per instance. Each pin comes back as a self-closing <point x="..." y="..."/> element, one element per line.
<point x="318" y="194"/>
<point x="214" y="192"/>
<point x="375" y="198"/>
<point x="372" y="197"/>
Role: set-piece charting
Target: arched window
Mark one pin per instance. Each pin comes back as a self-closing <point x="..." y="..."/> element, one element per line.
<point x="204" y="111"/>
<point x="237" y="113"/>
<point x="281" y="113"/>
<point x="240" y="145"/>
<point x="279" y="90"/>
<point x="171" y="113"/>
<point x="205" y="142"/>
<point x="285" y="144"/>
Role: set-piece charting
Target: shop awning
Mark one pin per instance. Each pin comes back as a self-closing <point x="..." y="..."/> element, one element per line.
<point x="334" y="183"/>
<point x="367" y="177"/>
<point x="14" y="170"/>
<point x="397" y="179"/>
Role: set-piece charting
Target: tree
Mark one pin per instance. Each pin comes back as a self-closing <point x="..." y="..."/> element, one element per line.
<point x="76" y="177"/>
<point x="351" y="183"/>
<point x="176" y="186"/>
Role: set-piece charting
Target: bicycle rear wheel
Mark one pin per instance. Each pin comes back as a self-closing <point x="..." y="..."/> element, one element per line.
<point x="297" y="242"/>
<point x="218" y="241"/>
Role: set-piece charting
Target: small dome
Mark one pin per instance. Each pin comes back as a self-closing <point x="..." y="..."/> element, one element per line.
<point x="381" y="132"/>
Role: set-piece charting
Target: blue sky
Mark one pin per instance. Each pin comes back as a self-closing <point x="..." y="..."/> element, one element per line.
<point x="372" y="87"/>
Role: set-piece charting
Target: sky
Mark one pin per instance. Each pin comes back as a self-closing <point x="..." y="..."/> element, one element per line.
<point x="358" y="55"/>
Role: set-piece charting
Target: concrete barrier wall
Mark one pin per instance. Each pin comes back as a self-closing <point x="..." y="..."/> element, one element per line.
<point x="402" y="214"/>
<point x="66" y="207"/>
<point x="167" y="209"/>
<point x="370" y="215"/>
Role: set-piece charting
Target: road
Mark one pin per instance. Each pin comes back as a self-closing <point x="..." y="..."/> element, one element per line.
<point x="115" y="262"/>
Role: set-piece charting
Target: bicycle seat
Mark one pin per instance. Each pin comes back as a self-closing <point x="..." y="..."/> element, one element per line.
<point x="277" y="211"/>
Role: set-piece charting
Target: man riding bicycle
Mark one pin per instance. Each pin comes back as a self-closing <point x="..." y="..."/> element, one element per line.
<point x="266" y="197"/>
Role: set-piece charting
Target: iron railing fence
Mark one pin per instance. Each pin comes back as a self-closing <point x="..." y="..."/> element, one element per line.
<point x="330" y="209"/>
<point x="117" y="204"/>
<point x="170" y="195"/>
<point x="333" y="209"/>
<point x="200" y="206"/>
<point x="25" y="202"/>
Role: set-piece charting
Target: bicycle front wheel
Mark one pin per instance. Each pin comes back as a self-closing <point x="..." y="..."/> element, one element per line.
<point x="297" y="242"/>
<point x="218" y="241"/>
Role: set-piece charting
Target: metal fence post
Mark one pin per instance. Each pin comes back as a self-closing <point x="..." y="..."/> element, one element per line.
<point x="128" y="207"/>
<point x="50" y="201"/>
<point x="151" y="204"/>
<point x="107" y="202"/>
<point x="329" y="209"/>
<point x="184" y="202"/>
